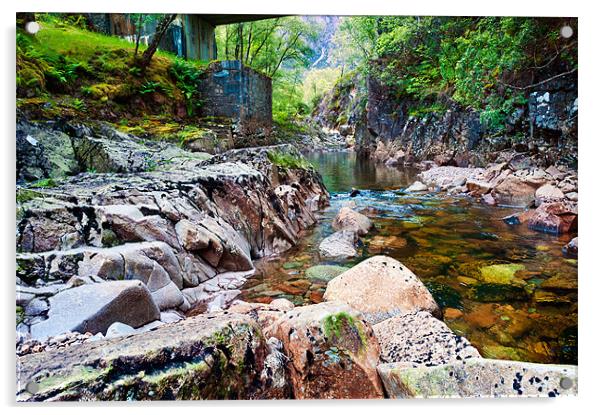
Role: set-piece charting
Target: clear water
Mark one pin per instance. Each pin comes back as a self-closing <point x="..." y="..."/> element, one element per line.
<point x="450" y="243"/>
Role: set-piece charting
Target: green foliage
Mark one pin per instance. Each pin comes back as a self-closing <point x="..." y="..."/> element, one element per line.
<point x="470" y="60"/>
<point x="317" y="82"/>
<point x="44" y="184"/>
<point x="149" y="87"/>
<point x="289" y="161"/>
<point x="334" y="325"/>
<point x="187" y="76"/>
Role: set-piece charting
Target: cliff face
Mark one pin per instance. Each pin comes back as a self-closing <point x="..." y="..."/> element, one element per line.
<point x="390" y="129"/>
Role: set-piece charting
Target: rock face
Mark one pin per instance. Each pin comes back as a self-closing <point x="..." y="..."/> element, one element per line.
<point x="349" y="220"/>
<point x="188" y="229"/>
<point x="381" y="287"/>
<point x="478" y="378"/>
<point x="94" y="307"/>
<point x="333" y="352"/>
<point x="215" y="356"/>
<point x="421" y="338"/>
<point x="339" y="245"/>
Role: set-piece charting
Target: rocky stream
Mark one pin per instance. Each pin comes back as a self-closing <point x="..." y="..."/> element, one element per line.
<point x="157" y="273"/>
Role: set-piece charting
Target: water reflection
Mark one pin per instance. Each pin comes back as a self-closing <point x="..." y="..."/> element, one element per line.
<point x="508" y="289"/>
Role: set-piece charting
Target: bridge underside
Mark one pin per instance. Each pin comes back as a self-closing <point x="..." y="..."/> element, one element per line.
<point x="191" y="36"/>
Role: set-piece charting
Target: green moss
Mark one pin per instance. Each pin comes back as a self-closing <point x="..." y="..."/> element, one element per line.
<point x="292" y="265"/>
<point x="324" y="273"/>
<point x="20" y="315"/>
<point x="288" y="161"/>
<point x="44" y="184"/>
<point x="501" y="274"/>
<point x="335" y="325"/>
<point x="25" y="195"/>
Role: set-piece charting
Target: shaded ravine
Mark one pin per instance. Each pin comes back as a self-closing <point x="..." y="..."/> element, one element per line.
<point x="447" y="242"/>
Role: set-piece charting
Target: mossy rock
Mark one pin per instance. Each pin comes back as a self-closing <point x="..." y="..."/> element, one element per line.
<point x="498" y="292"/>
<point x="324" y="273"/>
<point x="444" y="295"/>
<point x="292" y="265"/>
<point x="502" y="274"/>
<point x="501" y="352"/>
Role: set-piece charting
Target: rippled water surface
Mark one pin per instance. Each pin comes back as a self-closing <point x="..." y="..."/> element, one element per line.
<point x="509" y="290"/>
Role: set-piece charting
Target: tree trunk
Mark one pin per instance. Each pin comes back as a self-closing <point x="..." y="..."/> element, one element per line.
<point x="138" y="34"/>
<point x="152" y="48"/>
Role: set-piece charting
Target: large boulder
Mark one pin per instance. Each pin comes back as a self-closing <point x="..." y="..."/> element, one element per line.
<point x="548" y="193"/>
<point x="381" y="287"/>
<point x="478" y="378"/>
<point x="349" y="220"/>
<point x="421" y="338"/>
<point x="339" y="245"/>
<point x="213" y="356"/>
<point x="555" y="218"/>
<point x="333" y="352"/>
<point x="514" y="191"/>
<point x="94" y="307"/>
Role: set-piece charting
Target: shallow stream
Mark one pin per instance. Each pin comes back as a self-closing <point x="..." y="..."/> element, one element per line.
<point x="508" y="289"/>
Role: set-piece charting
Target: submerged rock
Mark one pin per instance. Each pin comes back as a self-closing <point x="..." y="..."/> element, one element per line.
<point x="381" y="287"/>
<point x="571" y="249"/>
<point x="324" y="273"/>
<point x="333" y="352"/>
<point x="483" y="378"/>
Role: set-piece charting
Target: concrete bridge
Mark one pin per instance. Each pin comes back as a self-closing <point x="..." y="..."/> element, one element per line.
<point x="191" y="36"/>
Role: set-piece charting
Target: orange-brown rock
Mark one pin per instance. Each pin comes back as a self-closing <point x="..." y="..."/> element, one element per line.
<point x="349" y="220"/>
<point x="553" y="218"/>
<point x="332" y="352"/>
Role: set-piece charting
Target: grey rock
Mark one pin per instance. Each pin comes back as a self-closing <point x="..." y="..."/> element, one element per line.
<point x="421" y="338"/>
<point x="478" y="378"/>
<point x="339" y="245"/>
<point x="119" y="329"/>
<point x="94" y="307"/>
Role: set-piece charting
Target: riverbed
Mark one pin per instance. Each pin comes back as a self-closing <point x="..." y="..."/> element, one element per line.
<point x="524" y="309"/>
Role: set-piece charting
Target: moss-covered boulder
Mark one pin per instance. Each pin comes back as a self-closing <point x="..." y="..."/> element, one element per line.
<point x="211" y="356"/>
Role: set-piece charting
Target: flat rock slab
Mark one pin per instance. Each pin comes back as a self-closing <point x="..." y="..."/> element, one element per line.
<point x="213" y="356"/>
<point x="381" y="287"/>
<point x="94" y="307"/>
<point x="421" y="338"/>
<point x="478" y="378"/>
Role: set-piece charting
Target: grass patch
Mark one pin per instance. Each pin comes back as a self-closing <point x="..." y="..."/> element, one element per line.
<point x="288" y="160"/>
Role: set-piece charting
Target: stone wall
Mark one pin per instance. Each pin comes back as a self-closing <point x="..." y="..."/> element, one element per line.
<point x="232" y="90"/>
